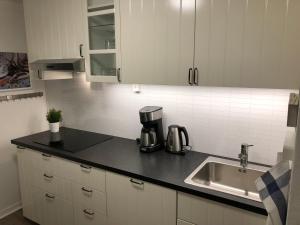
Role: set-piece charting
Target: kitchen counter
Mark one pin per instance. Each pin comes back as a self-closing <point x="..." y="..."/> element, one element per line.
<point x="122" y="156"/>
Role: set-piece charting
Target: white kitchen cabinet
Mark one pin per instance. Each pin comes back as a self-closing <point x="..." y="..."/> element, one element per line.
<point x="54" y="28"/>
<point x="157" y="41"/>
<point x="235" y="43"/>
<point x="242" y="43"/>
<point x="201" y="211"/>
<point x="133" y="202"/>
<point x="102" y="40"/>
<point x="56" y="191"/>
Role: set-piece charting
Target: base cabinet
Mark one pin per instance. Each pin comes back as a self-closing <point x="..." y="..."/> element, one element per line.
<point x="133" y="202"/>
<point x="199" y="211"/>
<point x="59" y="192"/>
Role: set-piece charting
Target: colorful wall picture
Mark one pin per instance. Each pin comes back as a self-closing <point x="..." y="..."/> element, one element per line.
<point x="14" y="72"/>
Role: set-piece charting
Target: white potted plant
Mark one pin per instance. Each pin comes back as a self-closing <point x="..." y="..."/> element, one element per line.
<point x="54" y="118"/>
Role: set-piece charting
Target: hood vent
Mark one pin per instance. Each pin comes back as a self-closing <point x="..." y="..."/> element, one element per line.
<point x="57" y="69"/>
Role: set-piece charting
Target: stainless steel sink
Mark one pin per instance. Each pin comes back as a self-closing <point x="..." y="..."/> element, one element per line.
<point x="227" y="176"/>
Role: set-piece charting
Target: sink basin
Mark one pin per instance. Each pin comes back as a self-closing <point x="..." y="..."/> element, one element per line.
<point x="227" y="176"/>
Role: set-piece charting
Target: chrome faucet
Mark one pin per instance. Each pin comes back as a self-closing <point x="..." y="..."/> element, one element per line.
<point x="244" y="155"/>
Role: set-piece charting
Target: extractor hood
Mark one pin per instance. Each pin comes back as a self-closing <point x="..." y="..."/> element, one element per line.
<point x="57" y="69"/>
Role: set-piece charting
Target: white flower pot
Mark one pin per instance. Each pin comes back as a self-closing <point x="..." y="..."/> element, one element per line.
<point x="54" y="127"/>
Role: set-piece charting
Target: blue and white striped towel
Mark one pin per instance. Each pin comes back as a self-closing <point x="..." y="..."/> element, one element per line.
<point x="273" y="188"/>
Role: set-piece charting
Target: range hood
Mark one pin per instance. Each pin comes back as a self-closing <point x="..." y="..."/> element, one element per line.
<point x="57" y="69"/>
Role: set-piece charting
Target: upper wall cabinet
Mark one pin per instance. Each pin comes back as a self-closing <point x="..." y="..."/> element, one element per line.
<point x="54" y="28"/>
<point x="236" y="43"/>
<point x="248" y="43"/>
<point x="102" y="40"/>
<point x="157" y="41"/>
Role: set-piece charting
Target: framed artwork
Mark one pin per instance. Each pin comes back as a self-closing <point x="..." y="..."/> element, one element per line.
<point x="14" y="71"/>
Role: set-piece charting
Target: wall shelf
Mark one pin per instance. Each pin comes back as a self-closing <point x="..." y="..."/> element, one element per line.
<point x="7" y="98"/>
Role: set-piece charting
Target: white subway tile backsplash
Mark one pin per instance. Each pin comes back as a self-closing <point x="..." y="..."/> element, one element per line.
<point x="218" y="119"/>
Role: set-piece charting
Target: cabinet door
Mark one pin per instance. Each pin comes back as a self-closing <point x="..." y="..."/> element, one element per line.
<point x="242" y="43"/>
<point x="133" y="202"/>
<point x="30" y="201"/>
<point x="34" y="31"/>
<point x="157" y="40"/>
<point x="201" y="211"/>
<point x="56" y="211"/>
<point x="102" y="41"/>
<point x="69" y="27"/>
<point x="54" y="28"/>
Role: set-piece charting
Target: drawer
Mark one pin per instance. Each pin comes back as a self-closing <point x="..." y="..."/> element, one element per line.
<point x="56" y="211"/>
<point x="95" y="178"/>
<point x="86" y="216"/>
<point x="72" y="171"/>
<point x="47" y="163"/>
<point x="83" y="175"/>
<point x="52" y="184"/>
<point x="89" y="198"/>
<point x="197" y="210"/>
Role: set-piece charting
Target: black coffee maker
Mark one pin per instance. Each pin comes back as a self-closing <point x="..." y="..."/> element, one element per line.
<point x="152" y="135"/>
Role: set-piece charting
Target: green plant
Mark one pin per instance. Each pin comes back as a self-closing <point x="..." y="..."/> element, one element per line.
<point x="54" y="116"/>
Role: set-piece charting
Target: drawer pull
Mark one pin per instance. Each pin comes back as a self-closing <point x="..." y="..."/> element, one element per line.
<point x="47" y="176"/>
<point x="50" y="196"/>
<point x="88" y="212"/>
<point x="46" y="155"/>
<point x="20" y="147"/>
<point x="138" y="182"/>
<point x="86" y="168"/>
<point x="86" y="190"/>
<point x="190" y="76"/>
<point x="80" y="50"/>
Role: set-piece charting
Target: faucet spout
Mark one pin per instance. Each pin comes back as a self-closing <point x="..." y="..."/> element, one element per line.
<point x="243" y="156"/>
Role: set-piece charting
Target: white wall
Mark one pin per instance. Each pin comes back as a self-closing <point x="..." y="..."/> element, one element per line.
<point x="17" y="118"/>
<point x="217" y="119"/>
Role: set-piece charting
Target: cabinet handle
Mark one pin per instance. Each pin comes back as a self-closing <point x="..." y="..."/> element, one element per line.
<point x="190" y="76"/>
<point x="138" y="182"/>
<point x="20" y="147"/>
<point x="119" y="75"/>
<point x="87" y="212"/>
<point x="46" y="155"/>
<point x="80" y="50"/>
<point x="86" y="190"/>
<point x="50" y="196"/>
<point x="85" y="168"/>
<point x="39" y="74"/>
<point x="47" y="176"/>
<point x="196" y="72"/>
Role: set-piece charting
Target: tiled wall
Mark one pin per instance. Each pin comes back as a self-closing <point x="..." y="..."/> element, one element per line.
<point x="218" y="119"/>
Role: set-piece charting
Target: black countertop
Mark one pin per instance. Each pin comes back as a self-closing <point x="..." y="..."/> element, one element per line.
<point x="122" y="156"/>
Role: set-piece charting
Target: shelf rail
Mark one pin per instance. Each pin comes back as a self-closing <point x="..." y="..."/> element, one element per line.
<point x="6" y="98"/>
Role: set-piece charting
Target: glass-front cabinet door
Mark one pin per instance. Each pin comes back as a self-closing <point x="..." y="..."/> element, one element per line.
<point x="102" y="38"/>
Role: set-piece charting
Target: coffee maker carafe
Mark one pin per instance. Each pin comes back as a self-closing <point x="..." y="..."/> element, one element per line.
<point x="152" y="137"/>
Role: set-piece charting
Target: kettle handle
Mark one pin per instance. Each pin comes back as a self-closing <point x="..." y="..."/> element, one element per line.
<point x="183" y="129"/>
